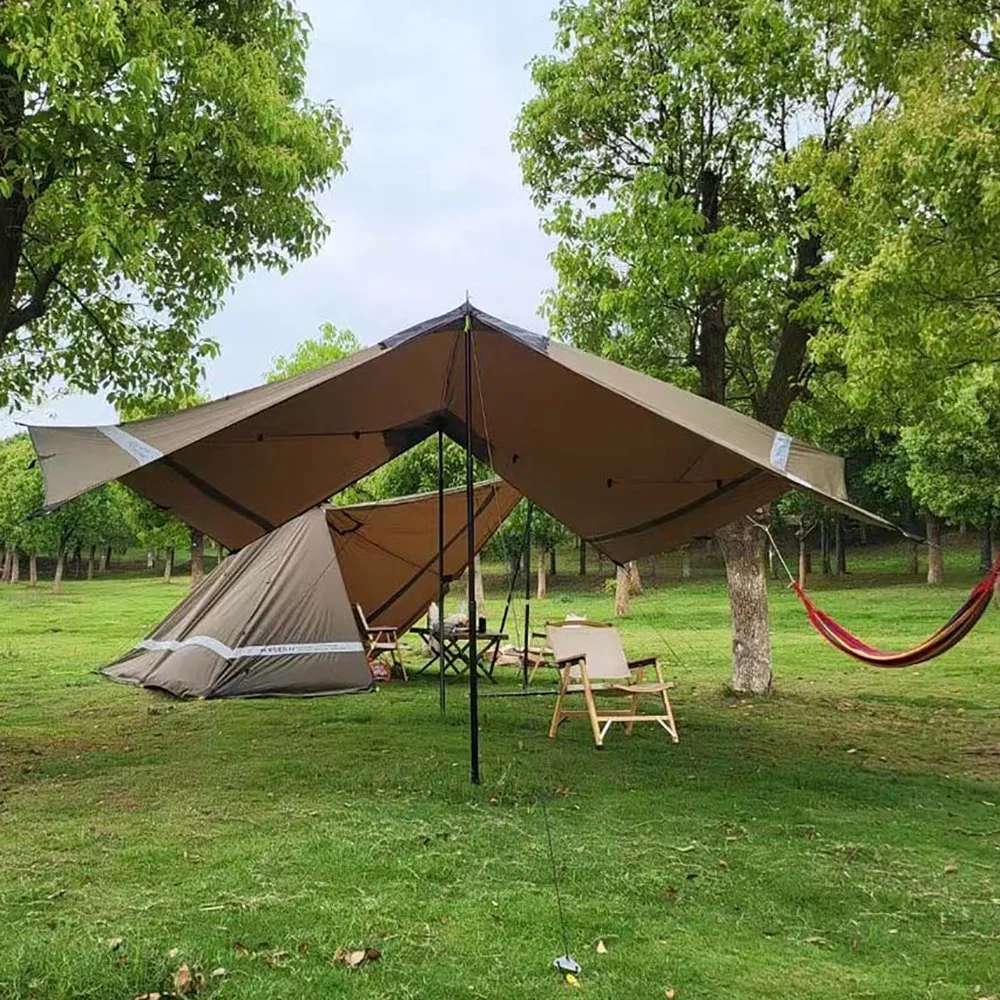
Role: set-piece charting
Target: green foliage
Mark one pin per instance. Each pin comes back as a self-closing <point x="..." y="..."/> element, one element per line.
<point x="96" y="518"/>
<point x="660" y="144"/>
<point x="546" y="534"/>
<point x="331" y="345"/>
<point x="954" y="452"/>
<point x="152" y="154"/>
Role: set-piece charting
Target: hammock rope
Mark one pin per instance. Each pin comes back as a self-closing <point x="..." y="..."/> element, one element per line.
<point x="961" y="623"/>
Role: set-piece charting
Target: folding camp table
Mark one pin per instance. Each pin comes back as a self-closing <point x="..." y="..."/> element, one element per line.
<point x="456" y="649"/>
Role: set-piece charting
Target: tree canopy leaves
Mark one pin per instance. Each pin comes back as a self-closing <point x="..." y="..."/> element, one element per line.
<point x="151" y="154"/>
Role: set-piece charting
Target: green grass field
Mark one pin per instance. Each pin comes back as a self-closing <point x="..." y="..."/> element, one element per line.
<point x="839" y="839"/>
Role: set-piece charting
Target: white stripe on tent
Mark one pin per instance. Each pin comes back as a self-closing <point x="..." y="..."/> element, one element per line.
<point x="142" y="452"/>
<point x="240" y="652"/>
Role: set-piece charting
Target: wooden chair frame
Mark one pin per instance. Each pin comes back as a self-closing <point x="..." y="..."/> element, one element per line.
<point x="602" y="719"/>
<point x="380" y="640"/>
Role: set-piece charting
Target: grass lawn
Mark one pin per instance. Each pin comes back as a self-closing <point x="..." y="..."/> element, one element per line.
<point x="840" y="839"/>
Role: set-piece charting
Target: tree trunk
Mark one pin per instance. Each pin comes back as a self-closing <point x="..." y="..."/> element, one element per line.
<point x="478" y="584"/>
<point x="32" y="569"/>
<point x="102" y="561"/>
<point x="5" y="572"/>
<point x="583" y="557"/>
<point x="824" y="546"/>
<point x="15" y="565"/>
<point x="803" y="560"/>
<point x="986" y="551"/>
<point x="542" y="584"/>
<point x="552" y="562"/>
<point x="168" y="566"/>
<point x="685" y="562"/>
<point x="742" y="548"/>
<point x="90" y="562"/>
<point x="839" y="547"/>
<point x="634" y="580"/>
<point x="622" y="591"/>
<point x="198" y="557"/>
<point x="60" y="566"/>
<point x="77" y="561"/>
<point x="150" y="559"/>
<point x="912" y="557"/>
<point x="935" y="554"/>
<point x="107" y="558"/>
<point x="863" y="532"/>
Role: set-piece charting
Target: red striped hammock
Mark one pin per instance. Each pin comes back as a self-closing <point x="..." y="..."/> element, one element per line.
<point x="951" y="634"/>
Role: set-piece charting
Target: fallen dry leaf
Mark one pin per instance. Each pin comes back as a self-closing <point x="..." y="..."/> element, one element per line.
<point x="173" y="953"/>
<point x="354" y="958"/>
<point x="671" y="993"/>
<point x="951" y="868"/>
<point x="218" y="973"/>
<point x="115" y="943"/>
<point x="303" y="948"/>
<point x="821" y="941"/>
<point x="722" y="863"/>
<point x="149" y="996"/>
<point x="188" y="982"/>
<point x="601" y="948"/>
<point x="240" y="949"/>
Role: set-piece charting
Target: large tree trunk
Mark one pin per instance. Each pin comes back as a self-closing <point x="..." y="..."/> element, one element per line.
<point x="150" y="559"/>
<point x="168" y="566"/>
<point x="32" y="569"/>
<point x="542" y="584"/>
<point x="15" y="565"/>
<point x="77" y="561"/>
<point x="824" y="546"/>
<point x="583" y="557"/>
<point x="685" y="562"/>
<point x="634" y="580"/>
<point x="107" y="558"/>
<point x="622" y="590"/>
<point x="198" y="557"/>
<point x="935" y="554"/>
<point x="743" y="549"/>
<point x="552" y="562"/>
<point x="478" y="585"/>
<point x="102" y="561"/>
<point x="986" y="550"/>
<point x="912" y="557"/>
<point x="60" y="567"/>
<point x="91" y="556"/>
<point x="5" y="572"/>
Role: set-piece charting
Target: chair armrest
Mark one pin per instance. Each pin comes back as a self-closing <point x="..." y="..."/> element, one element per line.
<point x="646" y="661"/>
<point x="569" y="660"/>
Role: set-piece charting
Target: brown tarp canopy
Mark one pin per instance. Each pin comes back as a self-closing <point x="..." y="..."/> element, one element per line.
<point x="276" y="617"/>
<point x="631" y="464"/>
<point x="388" y="551"/>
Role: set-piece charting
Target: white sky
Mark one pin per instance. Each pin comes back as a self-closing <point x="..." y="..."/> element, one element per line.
<point x="431" y="204"/>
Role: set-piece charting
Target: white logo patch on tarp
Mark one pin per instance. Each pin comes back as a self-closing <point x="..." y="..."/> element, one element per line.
<point x="143" y="453"/>
<point x="241" y="652"/>
<point x="780" y="449"/>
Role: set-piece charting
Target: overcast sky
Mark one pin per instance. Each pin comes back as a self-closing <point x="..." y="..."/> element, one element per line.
<point x="431" y="204"/>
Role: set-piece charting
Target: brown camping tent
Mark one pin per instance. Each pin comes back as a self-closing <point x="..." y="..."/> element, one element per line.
<point x="631" y="464"/>
<point x="276" y="617"/>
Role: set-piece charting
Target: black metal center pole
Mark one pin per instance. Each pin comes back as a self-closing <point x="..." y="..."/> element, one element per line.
<point x="441" y="677"/>
<point x="527" y="596"/>
<point x="470" y="530"/>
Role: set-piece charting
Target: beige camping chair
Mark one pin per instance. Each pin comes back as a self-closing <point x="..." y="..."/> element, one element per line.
<point x="591" y="660"/>
<point x="380" y="640"/>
